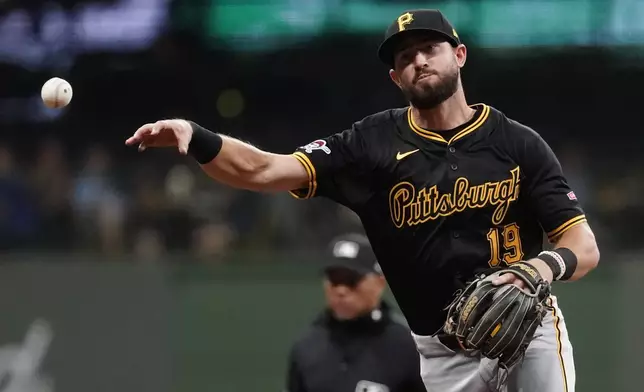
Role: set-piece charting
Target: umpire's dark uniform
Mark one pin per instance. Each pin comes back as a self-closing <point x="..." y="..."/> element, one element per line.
<point x="372" y="353"/>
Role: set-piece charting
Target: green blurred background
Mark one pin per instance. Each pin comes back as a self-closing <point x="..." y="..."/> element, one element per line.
<point x="229" y="327"/>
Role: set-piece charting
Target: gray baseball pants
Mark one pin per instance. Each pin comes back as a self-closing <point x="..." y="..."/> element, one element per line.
<point x="548" y="365"/>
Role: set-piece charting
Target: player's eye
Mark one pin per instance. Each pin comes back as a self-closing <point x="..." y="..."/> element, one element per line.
<point x="430" y="48"/>
<point x="407" y="56"/>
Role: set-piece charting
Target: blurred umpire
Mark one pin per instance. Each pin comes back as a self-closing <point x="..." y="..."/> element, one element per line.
<point x="355" y="344"/>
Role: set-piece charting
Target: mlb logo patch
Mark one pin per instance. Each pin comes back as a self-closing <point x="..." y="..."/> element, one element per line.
<point x="572" y="196"/>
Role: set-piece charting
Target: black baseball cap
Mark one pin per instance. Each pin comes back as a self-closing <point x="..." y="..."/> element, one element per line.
<point x="352" y="251"/>
<point x="431" y="21"/>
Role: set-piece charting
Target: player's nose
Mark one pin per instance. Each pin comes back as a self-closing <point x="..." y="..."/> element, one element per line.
<point x="420" y="60"/>
<point x="341" y="290"/>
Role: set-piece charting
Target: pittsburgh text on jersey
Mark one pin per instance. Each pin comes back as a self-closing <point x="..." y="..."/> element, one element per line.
<point x="411" y="206"/>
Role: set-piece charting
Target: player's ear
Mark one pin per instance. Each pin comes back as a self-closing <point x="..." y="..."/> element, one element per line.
<point x="394" y="77"/>
<point x="380" y="282"/>
<point x="460" y="52"/>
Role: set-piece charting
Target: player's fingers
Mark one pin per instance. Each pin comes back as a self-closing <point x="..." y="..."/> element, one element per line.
<point x="140" y="133"/>
<point x="503" y="279"/>
<point x="182" y="142"/>
<point x="519" y="283"/>
<point x="142" y="147"/>
<point x="157" y="127"/>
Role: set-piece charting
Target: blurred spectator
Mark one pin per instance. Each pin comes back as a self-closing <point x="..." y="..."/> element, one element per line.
<point x="98" y="206"/>
<point x="212" y="240"/>
<point x="17" y="212"/>
<point x="148" y="245"/>
<point x="51" y="185"/>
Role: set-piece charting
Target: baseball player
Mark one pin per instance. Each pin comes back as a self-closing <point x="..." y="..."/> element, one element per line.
<point x="455" y="199"/>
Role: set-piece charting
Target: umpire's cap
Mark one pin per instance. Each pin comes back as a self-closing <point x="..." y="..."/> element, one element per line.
<point x="352" y="251"/>
<point x="430" y="21"/>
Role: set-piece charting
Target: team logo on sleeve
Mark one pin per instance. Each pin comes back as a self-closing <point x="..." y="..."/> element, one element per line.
<point x="571" y="195"/>
<point x="317" y="145"/>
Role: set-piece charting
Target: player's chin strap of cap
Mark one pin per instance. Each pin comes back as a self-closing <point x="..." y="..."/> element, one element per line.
<point x="562" y="262"/>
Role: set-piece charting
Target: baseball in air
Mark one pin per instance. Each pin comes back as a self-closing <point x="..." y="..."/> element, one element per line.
<point x="56" y="93"/>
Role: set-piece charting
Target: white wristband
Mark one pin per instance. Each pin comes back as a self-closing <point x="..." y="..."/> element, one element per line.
<point x="560" y="261"/>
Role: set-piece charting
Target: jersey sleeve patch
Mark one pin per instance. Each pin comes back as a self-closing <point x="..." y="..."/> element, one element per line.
<point x="317" y="145"/>
<point x="339" y="167"/>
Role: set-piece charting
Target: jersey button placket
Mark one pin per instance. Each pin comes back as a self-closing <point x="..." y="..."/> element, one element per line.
<point x="452" y="158"/>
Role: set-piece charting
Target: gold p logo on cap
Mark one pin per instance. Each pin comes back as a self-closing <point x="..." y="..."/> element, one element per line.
<point x="404" y="20"/>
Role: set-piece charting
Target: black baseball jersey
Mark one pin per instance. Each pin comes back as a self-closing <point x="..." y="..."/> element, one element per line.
<point x="438" y="206"/>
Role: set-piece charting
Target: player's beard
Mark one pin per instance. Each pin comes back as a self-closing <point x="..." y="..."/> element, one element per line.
<point x="430" y="96"/>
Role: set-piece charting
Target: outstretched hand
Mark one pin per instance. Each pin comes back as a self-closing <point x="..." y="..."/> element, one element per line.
<point x="164" y="133"/>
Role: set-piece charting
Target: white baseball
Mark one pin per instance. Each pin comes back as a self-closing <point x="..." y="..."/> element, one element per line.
<point x="56" y="93"/>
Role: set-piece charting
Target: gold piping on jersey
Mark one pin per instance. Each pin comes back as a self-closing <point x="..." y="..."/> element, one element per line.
<point x="569" y="224"/>
<point x="435" y="136"/>
<point x="310" y="171"/>
<point x="559" y="344"/>
<point x="412" y="207"/>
